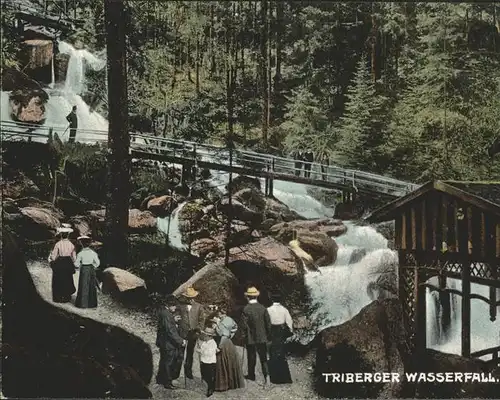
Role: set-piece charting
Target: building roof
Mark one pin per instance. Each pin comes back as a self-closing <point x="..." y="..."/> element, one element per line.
<point x="484" y="195"/>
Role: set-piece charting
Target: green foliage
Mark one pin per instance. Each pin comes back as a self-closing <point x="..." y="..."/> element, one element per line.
<point x="162" y="267"/>
<point x="362" y="126"/>
<point x="307" y="125"/>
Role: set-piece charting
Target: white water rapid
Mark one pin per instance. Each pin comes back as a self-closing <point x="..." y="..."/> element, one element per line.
<point x="484" y="333"/>
<point x="170" y="227"/>
<point x="62" y="99"/>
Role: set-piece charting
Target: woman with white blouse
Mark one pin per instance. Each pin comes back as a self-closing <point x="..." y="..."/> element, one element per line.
<point x="87" y="261"/>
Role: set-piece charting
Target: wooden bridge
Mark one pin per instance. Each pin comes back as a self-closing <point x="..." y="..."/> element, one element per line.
<point x="196" y="155"/>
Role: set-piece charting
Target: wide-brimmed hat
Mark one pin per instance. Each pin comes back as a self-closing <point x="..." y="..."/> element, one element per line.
<point x="252" y="291"/>
<point x="209" y="331"/>
<point x="190" y="292"/>
<point x="65" y="228"/>
<point x="83" y="237"/>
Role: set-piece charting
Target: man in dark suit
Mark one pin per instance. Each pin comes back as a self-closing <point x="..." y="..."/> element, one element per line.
<point x="170" y="344"/>
<point x="308" y="160"/>
<point x="256" y="325"/>
<point x="191" y="324"/>
<point x="73" y="124"/>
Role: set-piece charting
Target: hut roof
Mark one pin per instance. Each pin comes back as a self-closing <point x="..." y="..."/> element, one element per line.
<point x="485" y="195"/>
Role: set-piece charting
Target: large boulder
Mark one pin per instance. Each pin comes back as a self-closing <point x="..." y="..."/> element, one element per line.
<point x="118" y="280"/>
<point x="287" y="231"/>
<point x="162" y="206"/>
<point x="16" y="185"/>
<point x="33" y="223"/>
<point x="216" y="284"/>
<point x="138" y="221"/>
<point x="28" y="105"/>
<point x="243" y="182"/>
<point x="368" y="343"/>
<point x="124" y="286"/>
<point x="205" y="246"/>
<point x="141" y="221"/>
<point x="432" y="361"/>
<point x="279" y="211"/>
<point x="57" y="353"/>
<point x="238" y="211"/>
<point x="267" y="250"/>
<point x="322" y="248"/>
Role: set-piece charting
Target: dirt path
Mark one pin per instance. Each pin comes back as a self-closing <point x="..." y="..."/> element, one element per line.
<point x="140" y="324"/>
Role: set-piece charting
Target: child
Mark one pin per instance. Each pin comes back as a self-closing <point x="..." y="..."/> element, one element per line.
<point x="207" y="349"/>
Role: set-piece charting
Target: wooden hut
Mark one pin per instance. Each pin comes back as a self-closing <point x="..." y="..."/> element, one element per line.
<point x="448" y="229"/>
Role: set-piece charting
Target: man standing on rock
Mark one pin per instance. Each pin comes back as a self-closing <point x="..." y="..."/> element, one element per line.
<point x="170" y="344"/>
<point x="191" y="324"/>
<point x="256" y="325"/>
<point x="73" y="124"/>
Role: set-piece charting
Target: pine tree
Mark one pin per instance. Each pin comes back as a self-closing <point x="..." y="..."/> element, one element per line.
<point x="363" y="125"/>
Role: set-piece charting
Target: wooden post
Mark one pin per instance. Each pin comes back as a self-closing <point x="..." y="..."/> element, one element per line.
<point x="466" y="309"/>
<point x="490" y="251"/>
<point x="271" y="180"/>
<point x="420" y="310"/>
<point x="230" y="203"/>
<point x="463" y="249"/>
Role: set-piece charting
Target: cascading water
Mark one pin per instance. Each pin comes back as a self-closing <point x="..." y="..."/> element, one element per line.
<point x="484" y="333"/>
<point x="340" y="291"/>
<point x="170" y="227"/>
<point x="61" y="100"/>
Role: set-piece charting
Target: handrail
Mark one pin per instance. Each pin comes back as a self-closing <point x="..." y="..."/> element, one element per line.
<point x="188" y="150"/>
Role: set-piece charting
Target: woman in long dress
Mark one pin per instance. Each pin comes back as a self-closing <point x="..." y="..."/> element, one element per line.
<point x="281" y="329"/>
<point x="62" y="261"/>
<point x="229" y="373"/>
<point x="87" y="261"/>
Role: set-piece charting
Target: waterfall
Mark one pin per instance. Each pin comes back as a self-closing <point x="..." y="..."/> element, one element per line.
<point x="340" y="291"/>
<point x="61" y="100"/>
<point x="170" y="227"/>
<point x="484" y="333"/>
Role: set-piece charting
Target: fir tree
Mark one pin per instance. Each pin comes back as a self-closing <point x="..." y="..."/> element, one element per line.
<point x="363" y="125"/>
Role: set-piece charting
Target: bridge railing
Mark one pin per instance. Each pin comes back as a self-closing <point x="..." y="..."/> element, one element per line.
<point x="191" y="151"/>
<point x="273" y="164"/>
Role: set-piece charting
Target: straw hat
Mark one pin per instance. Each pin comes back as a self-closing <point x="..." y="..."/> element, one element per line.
<point x="83" y="237"/>
<point x="190" y="292"/>
<point x="252" y="291"/>
<point x="65" y="228"/>
<point x="209" y="331"/>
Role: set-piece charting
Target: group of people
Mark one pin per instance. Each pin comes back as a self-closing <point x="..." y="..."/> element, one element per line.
<point x="305" y="159"/>
<point x="64" y="261"/>
<point x="186" y="329"/>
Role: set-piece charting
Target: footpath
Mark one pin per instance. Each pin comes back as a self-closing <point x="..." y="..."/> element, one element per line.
<point x="140" y="324"/>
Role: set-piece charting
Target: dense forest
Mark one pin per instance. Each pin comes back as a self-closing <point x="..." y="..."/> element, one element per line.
<point x="405" y="89"/>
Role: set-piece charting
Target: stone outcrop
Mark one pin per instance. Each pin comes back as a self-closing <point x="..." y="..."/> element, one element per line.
<point x="162" y="206"/>
<point x="286" y="231"/>
<point x="267" y="250"/>
<point x="28" y="105"/>
<point x="435" y="361"/>
<point x="205" y="246"/>
<point x="239" y="211"/>
<point x="124" y="286"/>
<point x="59" y="354"/>
<point x="33" y="223"/>
<point x="138" y="221"/>
<point x="370" y="342"/>
<point x="17" y="185"/>
<point x="216" y="285"/>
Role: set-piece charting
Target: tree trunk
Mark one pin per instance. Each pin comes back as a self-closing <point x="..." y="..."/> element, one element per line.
<point x="279" y="33"/>
<point x="264" y="70"/>
<point x="268" y="62"/>
<point x="229" y="76"/>
<point x="197" y="61"/>
<point x="374" y="46"/>
<point x="116" y="243"/>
